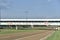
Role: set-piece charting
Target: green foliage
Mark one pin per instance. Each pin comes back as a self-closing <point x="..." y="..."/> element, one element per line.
<point x="9" y="31"/>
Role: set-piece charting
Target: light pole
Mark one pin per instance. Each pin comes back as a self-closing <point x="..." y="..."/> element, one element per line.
<point x="3" y="5"/>
<point x="26" y="17"/>
<point x="0" y="14"/>
<point x="26" y="12"/>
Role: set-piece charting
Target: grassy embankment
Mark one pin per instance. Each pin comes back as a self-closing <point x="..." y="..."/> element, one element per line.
<point x="55" y="36"/>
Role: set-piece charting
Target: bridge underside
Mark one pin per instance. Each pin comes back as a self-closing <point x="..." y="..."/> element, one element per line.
<point x="28" y="26"/>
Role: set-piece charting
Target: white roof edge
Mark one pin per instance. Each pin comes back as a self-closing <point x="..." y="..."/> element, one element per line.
<point x="30" y="19"/>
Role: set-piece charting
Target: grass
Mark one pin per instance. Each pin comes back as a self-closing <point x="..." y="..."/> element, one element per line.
<point x="9" y="31"/>
<point x="55" y="36"/>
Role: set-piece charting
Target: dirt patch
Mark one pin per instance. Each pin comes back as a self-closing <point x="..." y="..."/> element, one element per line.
<point x="26" y="35"/>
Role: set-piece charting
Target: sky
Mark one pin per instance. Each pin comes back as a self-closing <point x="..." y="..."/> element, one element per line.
<point x="30" y="9"/>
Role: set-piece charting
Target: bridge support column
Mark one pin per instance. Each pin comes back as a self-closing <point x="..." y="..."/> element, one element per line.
<point x="16" y="27"/>
<point x="32" y="26"/>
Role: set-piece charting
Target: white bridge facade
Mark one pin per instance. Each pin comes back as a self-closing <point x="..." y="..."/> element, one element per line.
<point x="30" y="22"/>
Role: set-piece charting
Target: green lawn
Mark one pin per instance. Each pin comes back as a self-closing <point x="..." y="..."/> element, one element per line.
<point x="55" y="36"/>
<point x="6" y="31"/>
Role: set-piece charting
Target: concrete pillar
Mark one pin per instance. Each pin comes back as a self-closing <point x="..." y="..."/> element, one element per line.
<point x="32" y="25"/>
<point x="16" y="27"/>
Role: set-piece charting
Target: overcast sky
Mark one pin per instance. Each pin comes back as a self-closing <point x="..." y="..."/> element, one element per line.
<point x="31" y="9"/>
